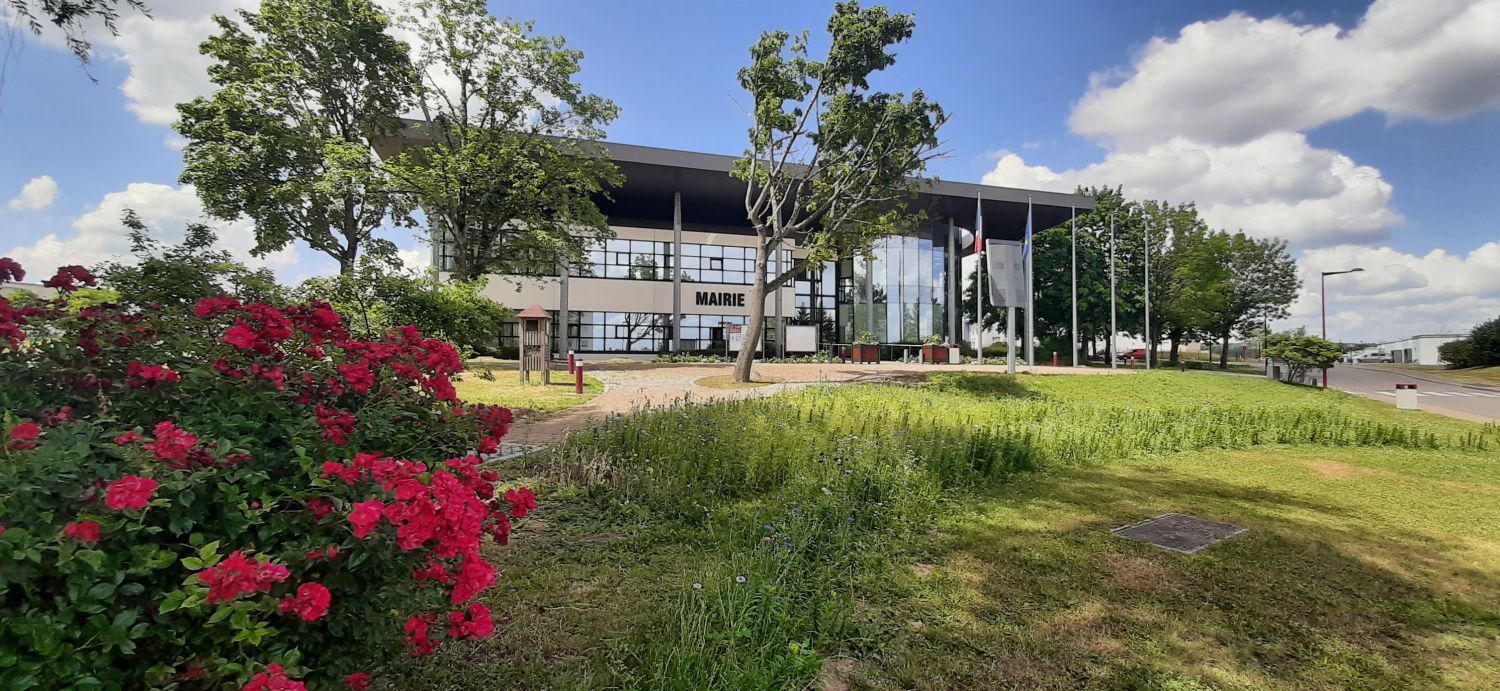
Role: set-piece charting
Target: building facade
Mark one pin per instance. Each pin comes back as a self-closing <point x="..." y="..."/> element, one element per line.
<point x="678" y="274"/>
<point x="1421" y="349"/>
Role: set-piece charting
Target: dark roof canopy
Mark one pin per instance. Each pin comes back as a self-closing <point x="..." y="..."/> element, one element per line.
<point x="713" y="200"/>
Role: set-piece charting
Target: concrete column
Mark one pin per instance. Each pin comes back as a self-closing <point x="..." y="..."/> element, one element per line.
<point x="955" y="294"/>
<point x="562" y="309"/>
<point x="780" y="319"/>
<point x="676" y="271"/>
<point x="869" y="301"/>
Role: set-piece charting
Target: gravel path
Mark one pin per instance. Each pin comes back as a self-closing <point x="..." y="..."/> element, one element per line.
<point x="631" y="386"/>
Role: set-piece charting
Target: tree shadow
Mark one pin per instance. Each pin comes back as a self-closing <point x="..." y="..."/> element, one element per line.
<point x="1034" y="591"/>
<point x="981" y="385"/>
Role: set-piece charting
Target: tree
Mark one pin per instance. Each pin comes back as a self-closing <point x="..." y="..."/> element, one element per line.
<point x="180" y="275"/>
<point x="1458" y="354"/>
<point x="1301" y="353"/>
<point x="375" y="299"/>
<point x="71" y="16"/>
<point x="1262" y="283"/>
<point x="1486" y="340"/>
<point x="303" y="87"/>
<point x="829" y="161"/>
<point x="510" y="177"/>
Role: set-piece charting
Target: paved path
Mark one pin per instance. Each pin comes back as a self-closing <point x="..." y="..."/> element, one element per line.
<point x="1473" y="402"/>
<point x="631" y="386"/>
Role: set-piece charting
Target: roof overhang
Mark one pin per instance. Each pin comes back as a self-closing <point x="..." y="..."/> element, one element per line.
<point x="713" y="199"/>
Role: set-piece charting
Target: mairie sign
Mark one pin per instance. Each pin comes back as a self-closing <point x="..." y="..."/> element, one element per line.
<point x="719" y="299"/>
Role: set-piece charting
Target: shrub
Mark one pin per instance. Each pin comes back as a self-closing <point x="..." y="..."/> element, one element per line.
<point x="378" y="298"/>
<point x="180" y="275"/>
<point x="1301" y="353"/>
<point x="202" y="497"/>
<point x="1486" y="340"/>
<point x="1457" y="354"/>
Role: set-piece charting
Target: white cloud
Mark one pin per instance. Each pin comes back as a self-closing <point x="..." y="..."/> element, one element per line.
<point x="1237" y="79"/>
<point x="38" y="193"/>
<point x="418" y="260"/>
<point x="167" y="210"/>
<point x="1398" y="293"/>
<point x="1278" y="185"/>
<point x="162" y="54"/>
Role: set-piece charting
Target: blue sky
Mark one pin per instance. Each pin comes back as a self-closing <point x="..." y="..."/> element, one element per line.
<point x="1364" y="134"/>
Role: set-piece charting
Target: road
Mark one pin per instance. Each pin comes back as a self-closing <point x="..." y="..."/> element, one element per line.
<point x="1469" y="402"/>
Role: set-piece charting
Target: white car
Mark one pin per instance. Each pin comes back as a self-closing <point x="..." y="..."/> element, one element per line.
<point x="1374" y="357"/>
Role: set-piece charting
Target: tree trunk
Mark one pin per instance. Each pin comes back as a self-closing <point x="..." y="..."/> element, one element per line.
<point x="1175" y="350"/>
<point x="757" y="320"/>
<point x="1224" y="353"/>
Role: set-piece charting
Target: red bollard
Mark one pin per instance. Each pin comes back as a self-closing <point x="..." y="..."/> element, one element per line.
<point x="571" y="362"/>
<point x="578" y="378"/>
<point x="1054" y="358"/>
<point x="1182" y="365"/>
<point x="1131" y="360"/>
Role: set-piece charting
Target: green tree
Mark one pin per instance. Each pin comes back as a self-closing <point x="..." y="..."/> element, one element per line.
<point x="506" y="168"/>
<point x="375" y="299"/>
<point x="1301" y="353"/>
<point x="1458" y="354"/>
<point x="1261" y="284"/>
<point x="1486" y="340"/>
<point x="303" y="87"/>
<point x="71" y="17"/>
<point x="179" y="275"/>
<point x="829" y="160"/>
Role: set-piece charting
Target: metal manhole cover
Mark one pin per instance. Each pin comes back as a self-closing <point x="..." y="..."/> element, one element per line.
<point x="1179" y="532"/>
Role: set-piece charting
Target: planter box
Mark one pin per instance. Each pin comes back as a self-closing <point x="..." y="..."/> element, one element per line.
<point x="935" y="354"/>
<point x="864" y="353"/>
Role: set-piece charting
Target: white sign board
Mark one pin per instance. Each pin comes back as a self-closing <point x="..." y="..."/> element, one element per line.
<point x="736" y="337"/>
<point x="1006" y="271"/>
<point x="801" y="339"/>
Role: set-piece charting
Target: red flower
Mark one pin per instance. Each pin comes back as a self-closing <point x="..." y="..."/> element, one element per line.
<point x="319" y="507"/>
<point x="70" y="278"/>
<point x="357" y="376"/>
<point x="2" y="529"/>
<point x="222" y="367"/>
<point x="23" y="436"/>
<point x="332" y="553"/>
<point x="217" y="304"/>
<point x="241" y="336"/>
<point x="176" y="446"/>
<point x="365" y="516"/>
<point x="474" y="575"/>
<point x="521" y="501"/>
<point x="57" y="417"/>
<point x="239" y="574"/>
<point x="85" y="531"/>
<point x="311" y="602"/>
<point x="130" y="492"/>
<point x="149" y="375"/>
<point x="10" y="270"/>
<point x="271" y="374"/>
<point x="128" y="438"/>
<point x="478" y="624"/>
<point x="358" y="681"/>
<point x="416" y="634"/>
<point x="273" y="679"/>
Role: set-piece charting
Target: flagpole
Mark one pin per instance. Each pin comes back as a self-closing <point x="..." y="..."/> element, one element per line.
<point x="1030" y="293"/>
<point x="979" y="279"/>
<point x="1148" y="295"/>
<point x="1073" y="335"/>
<point x="1113" y="344"/>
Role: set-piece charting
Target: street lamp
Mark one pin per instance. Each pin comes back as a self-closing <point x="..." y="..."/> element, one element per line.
<point x="1323" y="300"/>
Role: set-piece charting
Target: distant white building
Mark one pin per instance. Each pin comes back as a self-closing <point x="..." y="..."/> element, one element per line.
<point x="1420" y="350"/>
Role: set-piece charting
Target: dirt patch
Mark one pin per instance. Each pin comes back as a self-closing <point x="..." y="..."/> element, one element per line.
<point x="1338" y="470"/>
<point x="1140" y="574"/>
<point x="835" y="674"/>
<point x="921" y="570"/>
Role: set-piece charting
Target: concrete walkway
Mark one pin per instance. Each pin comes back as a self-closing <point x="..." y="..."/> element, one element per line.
<point x="631" y="386"/>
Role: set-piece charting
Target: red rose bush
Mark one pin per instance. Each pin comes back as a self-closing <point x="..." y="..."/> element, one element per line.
<point x="234" y="495"/>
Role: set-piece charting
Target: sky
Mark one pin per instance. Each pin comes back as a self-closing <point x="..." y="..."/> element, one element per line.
<point x="1366" y="134"/>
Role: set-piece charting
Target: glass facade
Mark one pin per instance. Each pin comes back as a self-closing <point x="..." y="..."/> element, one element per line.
<point x="899" y="293"/>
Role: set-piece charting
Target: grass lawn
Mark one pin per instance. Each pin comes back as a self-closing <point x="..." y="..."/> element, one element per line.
<point x="503" y="386"/>
<point x="954" y="535"/>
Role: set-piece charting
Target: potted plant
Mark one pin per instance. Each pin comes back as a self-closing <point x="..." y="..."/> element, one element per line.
<point x="865" y="348"/>
<point x="934" y="349"/>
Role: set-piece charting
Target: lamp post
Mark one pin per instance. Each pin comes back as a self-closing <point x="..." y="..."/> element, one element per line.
<point x="1323" y="304"/>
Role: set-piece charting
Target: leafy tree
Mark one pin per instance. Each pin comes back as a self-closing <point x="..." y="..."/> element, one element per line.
<point x="1301" y="353"/>
<point x="829" y="161"/>
<point x="374" y="299"/>
<point x="994" y="317"/>
<point x="1458" y="354"/>
<point x="1262" y="283"/>
<point x="1486" y="340"/>
<point x="71" y="16"/>
<point x="179" y="275"/>
<point x="509" y="175"/>
<point x="303" y="87"/>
